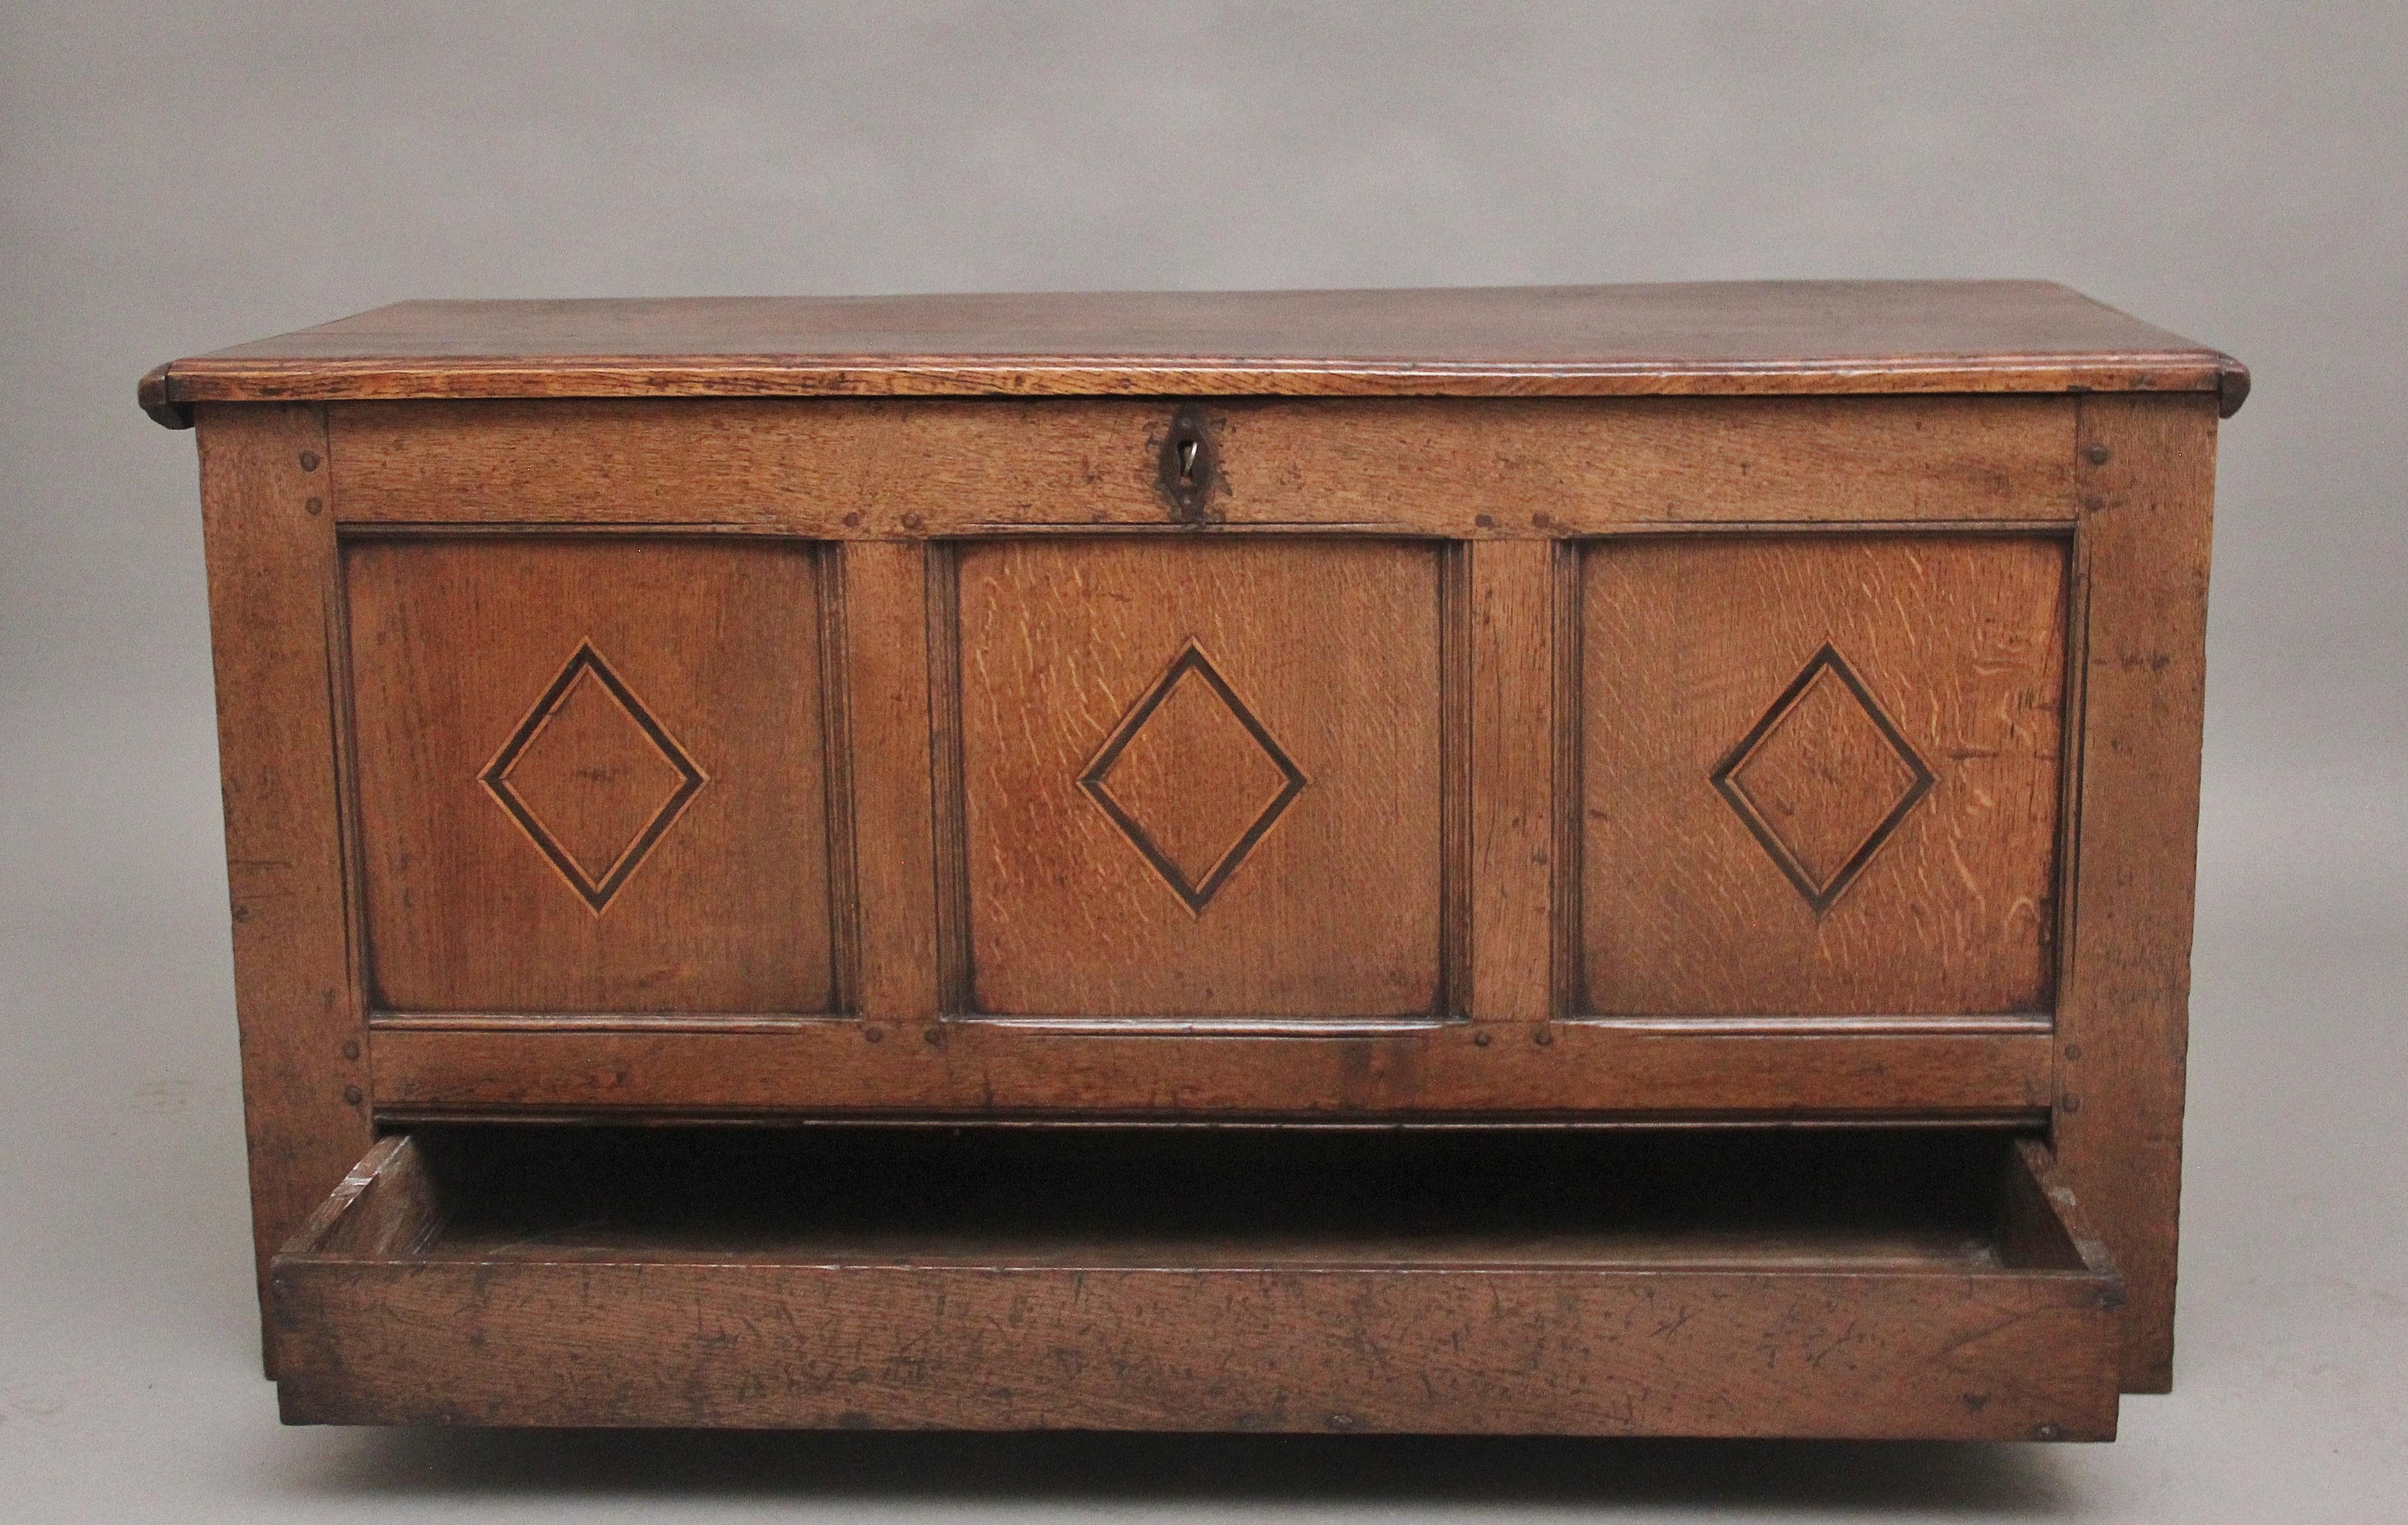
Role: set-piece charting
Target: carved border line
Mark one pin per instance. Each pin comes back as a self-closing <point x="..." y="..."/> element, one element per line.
<point x="596" y="894"/>
<point x="1195" y="897"/>
<point x="1821" y="897"/>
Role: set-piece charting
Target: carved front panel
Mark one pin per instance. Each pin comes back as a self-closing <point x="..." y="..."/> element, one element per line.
<point x="591" y="775"/>
<point x="1200" y="779"/>
<point x="1820" y="774"/>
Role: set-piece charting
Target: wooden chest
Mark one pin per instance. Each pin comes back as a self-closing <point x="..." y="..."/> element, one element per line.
<point x="1594" y="860"/>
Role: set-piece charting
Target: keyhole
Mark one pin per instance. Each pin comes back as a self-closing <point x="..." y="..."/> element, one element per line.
<point x="1187" y="467"/>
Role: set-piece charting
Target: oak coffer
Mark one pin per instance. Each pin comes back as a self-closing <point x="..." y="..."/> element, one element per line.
<point x="1593" y="859"/>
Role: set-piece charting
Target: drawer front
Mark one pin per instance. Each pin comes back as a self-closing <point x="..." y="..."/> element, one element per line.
<point x="1945" y="1288"/>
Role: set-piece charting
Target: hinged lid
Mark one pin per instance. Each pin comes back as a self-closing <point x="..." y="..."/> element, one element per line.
<point x="1732" y="337"/>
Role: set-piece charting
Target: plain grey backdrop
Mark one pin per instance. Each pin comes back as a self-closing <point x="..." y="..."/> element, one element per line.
<point x="183" y="177"/>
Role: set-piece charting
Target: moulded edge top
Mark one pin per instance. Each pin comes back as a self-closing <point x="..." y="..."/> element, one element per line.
<point x="1702" y="339"/>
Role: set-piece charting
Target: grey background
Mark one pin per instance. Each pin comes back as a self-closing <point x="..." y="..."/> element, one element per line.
<point x="182" y="176"/>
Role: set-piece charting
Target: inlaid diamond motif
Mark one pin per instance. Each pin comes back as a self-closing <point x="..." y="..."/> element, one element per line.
<point x="1822" y="779"/>
<point x="1192" y="779"/>
<point x="592" y="778"/>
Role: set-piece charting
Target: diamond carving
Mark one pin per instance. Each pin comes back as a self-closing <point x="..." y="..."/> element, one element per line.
<point x="1193" y="779"/>
<point x="592" y="778"/>
<point x="1824" y="779"/>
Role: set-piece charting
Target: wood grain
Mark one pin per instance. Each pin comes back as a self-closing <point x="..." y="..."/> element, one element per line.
<point x="1704" y="660"/>
<point x="455" y="646"/>
<point x="885" y="623"/>
<point x="842" y="469"/>
<point x="457" y="1065"/>
<point x="1546" y="1352"/>
<point x="818" y="1316"/>
<point x="1716" y="337"/>
<point x="1128" y="707"/>
<point x="276" y="638"/>
<point x="2149" y="468"/>
<point x="1513" y="802"/>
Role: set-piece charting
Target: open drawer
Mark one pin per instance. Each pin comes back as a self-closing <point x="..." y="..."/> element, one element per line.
<point x="1774" y="1282"/>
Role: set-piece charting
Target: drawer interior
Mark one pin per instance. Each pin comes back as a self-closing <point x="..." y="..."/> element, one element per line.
<point x="1581" y="1280"/>
<point x="1116" y="1196"/>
